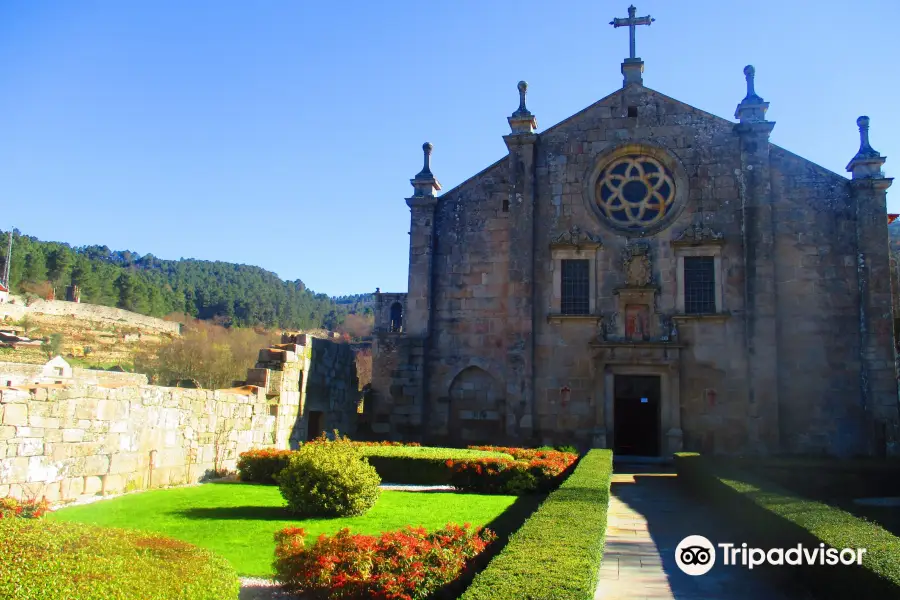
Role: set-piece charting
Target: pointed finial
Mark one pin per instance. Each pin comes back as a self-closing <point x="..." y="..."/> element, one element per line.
<point x="425" y="183"/>
<point x="750" y="74"/>
<point x="865" y="149"/>
<point x="523" y="89"/>
<point x="752" y="108"/>
<point x="522" y="121"/>
<point x="868" y="162"/>
<point x="426" y="169"/>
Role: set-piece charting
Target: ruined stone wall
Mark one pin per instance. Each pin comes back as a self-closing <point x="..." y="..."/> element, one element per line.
<point x="309" y="374"/>
<point x="332" y="386"/>
<point x="87" y="312"/>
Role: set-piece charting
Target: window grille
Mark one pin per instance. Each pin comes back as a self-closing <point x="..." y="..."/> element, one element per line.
<point x="699" y="285"/>
<point x="575" y="287"/>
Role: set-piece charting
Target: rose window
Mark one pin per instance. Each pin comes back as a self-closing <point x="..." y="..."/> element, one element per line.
<point x="635" y="192"/>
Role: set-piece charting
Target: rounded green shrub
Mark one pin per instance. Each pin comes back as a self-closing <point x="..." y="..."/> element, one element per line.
<point x="329" y="479"/>
<point x="49" y="560"/>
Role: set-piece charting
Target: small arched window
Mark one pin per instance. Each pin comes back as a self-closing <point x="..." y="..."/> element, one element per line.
<point x="396" y="317"/>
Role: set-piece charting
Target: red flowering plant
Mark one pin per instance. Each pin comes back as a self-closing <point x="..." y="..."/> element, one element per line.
<point x="409" y="564"/>
<point x="261" y="466"/>
<point x="531" y="471"/>
<point x="25" y="509"/>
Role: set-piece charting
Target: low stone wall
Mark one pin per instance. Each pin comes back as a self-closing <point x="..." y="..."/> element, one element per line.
<point x="87" y="312"/>
<point x="64" y="441"/>
<point x="22" y="374"/>
<point x="68" y="432"/>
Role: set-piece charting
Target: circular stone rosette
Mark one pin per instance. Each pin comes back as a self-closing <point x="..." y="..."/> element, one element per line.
<point x="636" y="192"/>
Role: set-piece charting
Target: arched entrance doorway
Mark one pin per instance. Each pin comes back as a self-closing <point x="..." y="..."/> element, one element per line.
<point x="476" y="408"/>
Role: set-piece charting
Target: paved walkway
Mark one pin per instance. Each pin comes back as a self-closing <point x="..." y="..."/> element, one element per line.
<point x="649" y="515"/>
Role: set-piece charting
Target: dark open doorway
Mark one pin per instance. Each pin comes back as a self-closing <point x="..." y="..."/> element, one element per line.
<point x="636" y="415"/>
<point x="314" y="427"/>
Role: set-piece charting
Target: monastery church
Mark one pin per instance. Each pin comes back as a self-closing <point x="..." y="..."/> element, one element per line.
<point x="647" y="277"/>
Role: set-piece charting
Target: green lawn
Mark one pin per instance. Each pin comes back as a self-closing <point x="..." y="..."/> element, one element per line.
<point x="237" y="520"/>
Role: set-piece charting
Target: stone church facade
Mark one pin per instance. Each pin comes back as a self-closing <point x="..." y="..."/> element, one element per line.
<point x="647" y="277"/>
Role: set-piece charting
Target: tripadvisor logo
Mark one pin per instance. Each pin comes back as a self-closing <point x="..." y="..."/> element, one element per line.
<point x="696" y="555"/>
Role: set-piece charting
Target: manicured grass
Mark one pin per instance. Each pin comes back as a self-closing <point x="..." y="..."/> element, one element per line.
<point x="556" y="555"/>
<point x="238" y="520"/>
<point x="47" y="560"/>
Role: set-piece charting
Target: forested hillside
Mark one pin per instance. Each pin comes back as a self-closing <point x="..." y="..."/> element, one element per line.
<point x="228" y="293"/>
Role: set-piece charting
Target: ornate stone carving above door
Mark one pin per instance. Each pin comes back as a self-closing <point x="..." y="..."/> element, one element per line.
<point x="637" y="265"/>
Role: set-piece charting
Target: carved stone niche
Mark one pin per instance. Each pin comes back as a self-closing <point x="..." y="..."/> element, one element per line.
<point x="637" y="299"/>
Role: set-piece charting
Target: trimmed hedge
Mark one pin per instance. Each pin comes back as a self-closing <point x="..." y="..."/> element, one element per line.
<point x="556" y="554"/>
<point x="417" y="465"/>
<point x="49" y="560"/>
<point x="420" y="465"/>
<point x="261" y="466"/>
<point x="779" y="518"/>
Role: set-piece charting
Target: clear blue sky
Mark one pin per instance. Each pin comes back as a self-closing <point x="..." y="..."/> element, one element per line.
<point x="284" y="133"/>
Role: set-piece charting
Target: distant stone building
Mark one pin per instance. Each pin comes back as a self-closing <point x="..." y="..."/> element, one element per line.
<point x="648" y="277"/>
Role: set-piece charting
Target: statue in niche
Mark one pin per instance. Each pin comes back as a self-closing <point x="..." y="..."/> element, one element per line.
<point x="636" y="261"/>
<point x="637" y="321"/>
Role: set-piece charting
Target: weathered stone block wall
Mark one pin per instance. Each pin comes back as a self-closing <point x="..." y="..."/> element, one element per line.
<point x="88" y="312"/>
<point x="104" y="434"/>
<point x="818" y="308"/>
<point x="792" y="362"/>
<point x="63" y="442"/>
<point x="714" y="357"/>
<point x="471" y="279"/>
<point x="331" y="386"/>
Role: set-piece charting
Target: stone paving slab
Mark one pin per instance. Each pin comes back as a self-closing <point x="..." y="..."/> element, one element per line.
<point x="649" y="514"/>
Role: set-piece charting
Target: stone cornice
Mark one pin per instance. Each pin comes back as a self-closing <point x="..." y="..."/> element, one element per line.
<point x="713" y="317"/>
<point x="699" y="235"/>
<point x="422" y="201"/>
<point x="559" y="318"/>
<point x="578" y="239"/>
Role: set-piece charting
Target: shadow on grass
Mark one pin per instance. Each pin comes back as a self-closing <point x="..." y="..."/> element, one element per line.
<point x="240" y="513"/>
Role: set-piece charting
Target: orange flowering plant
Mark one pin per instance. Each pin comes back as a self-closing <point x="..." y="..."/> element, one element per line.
<point x="26" y="509"/>
<point x="531" y="471"/>
<point x="409" y="564"/>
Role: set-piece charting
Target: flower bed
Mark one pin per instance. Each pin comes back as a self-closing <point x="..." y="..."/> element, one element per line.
<point x="395" y="463"/>
<point x="552" y="555"/>
<point x="48" y="560"/>
<point x="397" y="565"/>
<point x="530" y="471"/>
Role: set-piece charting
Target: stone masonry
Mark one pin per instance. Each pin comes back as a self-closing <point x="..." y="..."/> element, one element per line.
<point x="90" y="435"/>
<point x="793" y="354"/>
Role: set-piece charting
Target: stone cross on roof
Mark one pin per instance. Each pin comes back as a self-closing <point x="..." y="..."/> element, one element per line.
<point x="631" y="22"/>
